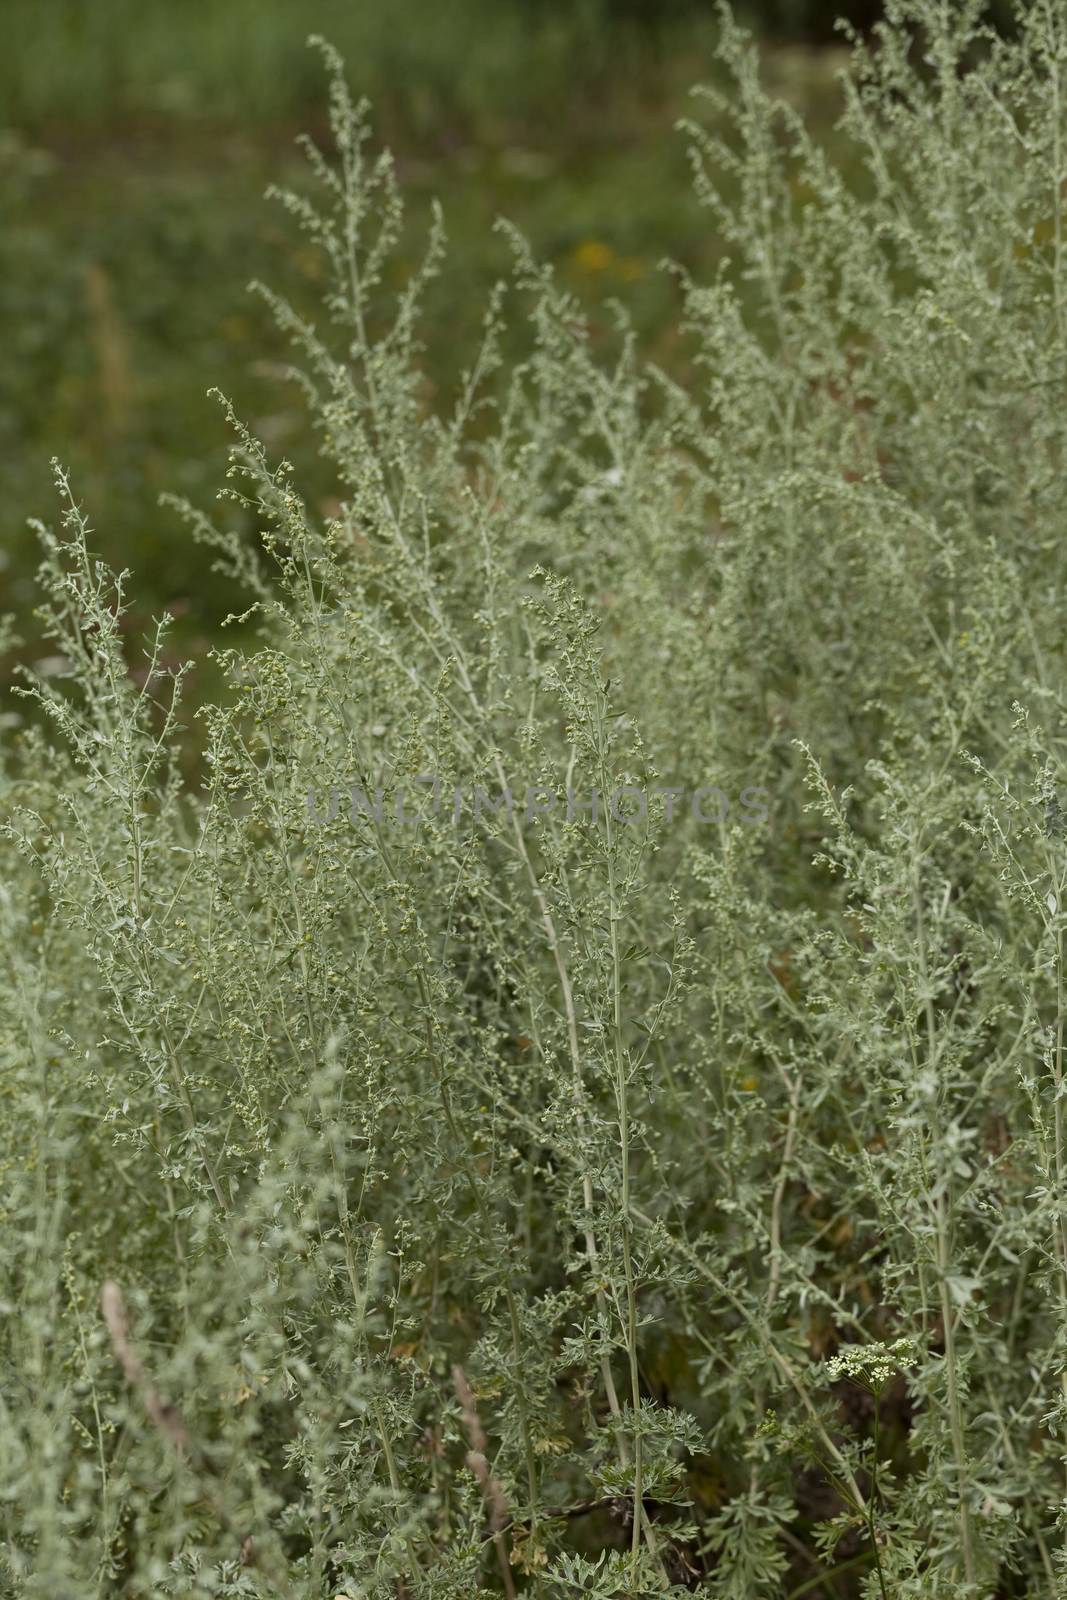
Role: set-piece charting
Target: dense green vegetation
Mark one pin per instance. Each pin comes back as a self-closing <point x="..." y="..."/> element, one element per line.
<point x="133" y="159"/>
<point x="467" y="61"/>
<point x="553" y="1085"/>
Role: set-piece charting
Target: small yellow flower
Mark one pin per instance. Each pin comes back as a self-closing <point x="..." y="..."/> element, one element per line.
<point x="594" y="256"/>
<point x="750" y="1084"/>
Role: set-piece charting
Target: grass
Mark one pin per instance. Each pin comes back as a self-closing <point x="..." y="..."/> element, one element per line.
<point x="132" y="169"/>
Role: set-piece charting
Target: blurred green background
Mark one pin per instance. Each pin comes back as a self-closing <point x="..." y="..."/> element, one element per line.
<point x="136" y="140"/>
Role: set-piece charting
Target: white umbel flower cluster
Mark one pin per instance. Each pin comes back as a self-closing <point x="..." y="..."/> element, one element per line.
<point x="870" y="1364"/>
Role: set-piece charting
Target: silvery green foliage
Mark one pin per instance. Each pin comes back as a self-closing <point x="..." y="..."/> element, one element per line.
<point x="614" y="1208"/>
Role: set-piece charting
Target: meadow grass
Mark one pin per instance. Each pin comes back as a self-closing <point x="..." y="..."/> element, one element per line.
<point x="135" y="217"/>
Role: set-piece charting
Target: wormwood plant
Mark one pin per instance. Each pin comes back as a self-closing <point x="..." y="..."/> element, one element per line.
<point x="583" y="1197"/>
